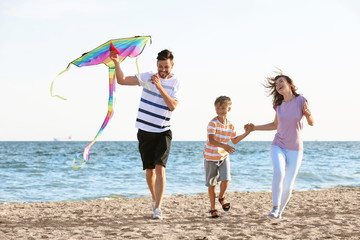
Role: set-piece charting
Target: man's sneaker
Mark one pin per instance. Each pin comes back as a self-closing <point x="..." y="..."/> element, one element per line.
<point x="157" y="214"/>
<point x="274" y="212"/>
<point x="153" y="204"/>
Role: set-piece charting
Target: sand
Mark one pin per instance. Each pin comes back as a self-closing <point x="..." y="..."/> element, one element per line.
<point x="323" y="214"/>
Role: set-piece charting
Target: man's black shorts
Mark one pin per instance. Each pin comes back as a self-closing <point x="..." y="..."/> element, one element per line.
<point x="154" y="148"/>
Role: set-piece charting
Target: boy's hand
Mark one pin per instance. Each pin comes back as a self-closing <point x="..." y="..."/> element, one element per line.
<point x="229" y="149"/>
<point x="114" y="56"/>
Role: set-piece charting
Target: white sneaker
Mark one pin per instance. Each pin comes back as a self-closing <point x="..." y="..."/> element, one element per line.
<point x="157" y="214"/>
<point x="153" y="204"/>
<point x="275" y="212"/>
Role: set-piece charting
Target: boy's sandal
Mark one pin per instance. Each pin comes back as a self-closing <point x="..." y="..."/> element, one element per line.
<point x="225" y="206"/>
<point x="214" y="213"/>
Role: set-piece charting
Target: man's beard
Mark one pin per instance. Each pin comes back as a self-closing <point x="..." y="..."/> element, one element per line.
<point x="161" y="74"/>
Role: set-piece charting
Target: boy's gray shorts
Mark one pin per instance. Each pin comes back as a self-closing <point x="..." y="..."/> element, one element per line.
<point x="217" y="171"/>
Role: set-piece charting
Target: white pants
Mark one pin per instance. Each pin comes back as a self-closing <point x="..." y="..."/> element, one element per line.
<point x="286" y="164"/>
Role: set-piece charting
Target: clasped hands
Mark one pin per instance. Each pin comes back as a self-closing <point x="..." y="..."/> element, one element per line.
<point x="249" y="127"/>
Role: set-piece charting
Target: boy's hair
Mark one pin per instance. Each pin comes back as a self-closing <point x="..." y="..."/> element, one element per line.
<point x="164" y="55"/>
<point x="223" y="100"/>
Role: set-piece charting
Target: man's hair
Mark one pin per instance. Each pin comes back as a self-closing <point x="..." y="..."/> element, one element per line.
<point x="223" y="100"/>
<point x="164" y="55"/>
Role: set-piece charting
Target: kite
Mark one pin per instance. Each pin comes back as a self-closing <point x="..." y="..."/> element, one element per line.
<point x="124" y="47"/>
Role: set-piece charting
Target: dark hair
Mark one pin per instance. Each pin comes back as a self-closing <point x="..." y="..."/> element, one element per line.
<point x="271" y="85"/>
<point x="223" y="100"/>
<point x="164" y="55"/>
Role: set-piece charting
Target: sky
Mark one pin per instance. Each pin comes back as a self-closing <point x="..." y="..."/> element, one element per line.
<point x="220" y="48"/>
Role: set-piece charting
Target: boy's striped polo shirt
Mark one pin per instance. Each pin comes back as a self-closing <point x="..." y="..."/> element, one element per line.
<point x="223" y="133"/>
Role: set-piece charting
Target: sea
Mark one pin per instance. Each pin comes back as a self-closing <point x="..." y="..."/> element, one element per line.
<point x="43" y="171"/>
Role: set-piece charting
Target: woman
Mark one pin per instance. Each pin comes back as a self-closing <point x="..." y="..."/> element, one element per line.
<point x="287" y="146"/>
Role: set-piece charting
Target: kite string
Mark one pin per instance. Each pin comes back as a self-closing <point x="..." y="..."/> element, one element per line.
<point x="137" y="67"/>
<point x="86" y="153"/>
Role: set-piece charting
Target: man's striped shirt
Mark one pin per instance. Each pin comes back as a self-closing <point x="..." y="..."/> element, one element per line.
<point x="153" y="114"/>
<point x="223" y="133"/>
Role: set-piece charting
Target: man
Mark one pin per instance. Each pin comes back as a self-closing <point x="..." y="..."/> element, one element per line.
<point x="153" y="120"/>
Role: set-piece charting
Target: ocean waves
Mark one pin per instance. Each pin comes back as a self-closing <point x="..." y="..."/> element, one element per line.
<point x="42" y="171"/>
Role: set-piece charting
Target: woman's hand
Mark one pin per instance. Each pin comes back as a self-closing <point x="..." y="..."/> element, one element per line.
<point x="306" y="111"/>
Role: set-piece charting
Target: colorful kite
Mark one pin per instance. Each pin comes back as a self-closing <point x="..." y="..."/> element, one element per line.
<point x="124" y="47"/>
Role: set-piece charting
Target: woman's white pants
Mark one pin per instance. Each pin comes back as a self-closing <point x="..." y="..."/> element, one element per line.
<point x="286" y="164"/>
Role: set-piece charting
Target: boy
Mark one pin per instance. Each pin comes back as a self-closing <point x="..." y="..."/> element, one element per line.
<point x="216" y="153"/>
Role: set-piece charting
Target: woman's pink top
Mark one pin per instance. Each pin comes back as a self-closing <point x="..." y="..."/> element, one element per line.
<point x="290" y="124"/>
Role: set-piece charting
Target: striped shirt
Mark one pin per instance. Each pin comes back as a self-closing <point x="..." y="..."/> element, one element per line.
<point x="223" y="133"/>
<point x="153" y="114"/>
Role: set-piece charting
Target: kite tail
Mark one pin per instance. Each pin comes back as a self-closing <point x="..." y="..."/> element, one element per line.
<point x="52" y="83"/>
<point x="86" y="153"/>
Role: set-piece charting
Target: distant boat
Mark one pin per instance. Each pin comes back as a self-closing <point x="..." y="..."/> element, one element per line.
<point x="68" y="139"/>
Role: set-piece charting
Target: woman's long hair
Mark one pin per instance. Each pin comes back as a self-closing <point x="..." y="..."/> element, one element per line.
<point x="271" y="86"/>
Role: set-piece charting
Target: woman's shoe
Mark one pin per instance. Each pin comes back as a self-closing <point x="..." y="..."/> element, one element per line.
<point x="275" y="212"/>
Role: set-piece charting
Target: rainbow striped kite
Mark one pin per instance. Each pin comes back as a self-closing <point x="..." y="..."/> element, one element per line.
<point x="124" y="47"/>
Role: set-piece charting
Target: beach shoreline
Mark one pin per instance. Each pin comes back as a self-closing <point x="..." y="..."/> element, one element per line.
<point x="314" y="214"/>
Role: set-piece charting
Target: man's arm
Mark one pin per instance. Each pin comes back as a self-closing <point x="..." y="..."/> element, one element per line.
<point x="121" y="78"/>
